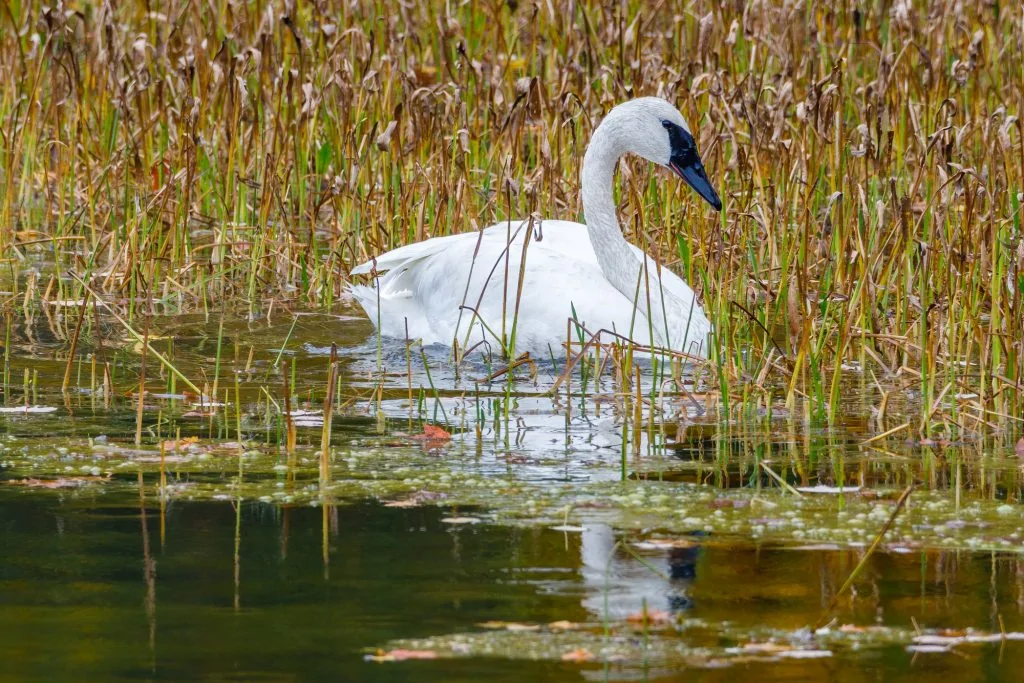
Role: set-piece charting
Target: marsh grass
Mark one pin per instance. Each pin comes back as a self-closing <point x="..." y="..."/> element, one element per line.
<point x="179" y="155"/>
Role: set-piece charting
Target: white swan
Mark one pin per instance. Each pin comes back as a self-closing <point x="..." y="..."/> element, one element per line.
<point x="464" y="288"/>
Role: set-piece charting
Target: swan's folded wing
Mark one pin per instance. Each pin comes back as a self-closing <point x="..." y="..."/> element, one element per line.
<point x="408" y="253"/>
<point x="564" y="236"/>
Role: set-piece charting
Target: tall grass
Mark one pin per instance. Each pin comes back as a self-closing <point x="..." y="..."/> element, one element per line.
<point x="869" y="156"/>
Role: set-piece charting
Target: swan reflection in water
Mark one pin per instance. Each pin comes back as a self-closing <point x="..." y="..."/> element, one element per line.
<point x="619" y="586"/>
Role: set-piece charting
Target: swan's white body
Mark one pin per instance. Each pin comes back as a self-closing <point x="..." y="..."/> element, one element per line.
<point x="425" y="286"/>
<point x="466" y="287"/>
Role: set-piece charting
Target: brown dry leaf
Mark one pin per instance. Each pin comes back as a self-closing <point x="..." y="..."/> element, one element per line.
<point x="425" y="75"/>
<point x="202" y="413"/>
<point x="508" y="626"/>
<point x="61" y="483"/>
<point x="952" y="632"/>
<point x="578" y="655"/>
<point x="27" y="235"/>
<point x="854" y="628"/>
<point x="1019" y="450"/>
<point x="719" y="503"/>
<point x="767" y="648"/>
<point x="180" y="444"/>
<point x="410" y="503"/>
<point x="400" y="655"/>
<point x="795" y="311"/>
<point x="384" y="139"/>
<point x="137" y="346"/>
<point x="415" y="500"/>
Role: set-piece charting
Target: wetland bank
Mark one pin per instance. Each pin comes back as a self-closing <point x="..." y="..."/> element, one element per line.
<point x="210" y="466"/>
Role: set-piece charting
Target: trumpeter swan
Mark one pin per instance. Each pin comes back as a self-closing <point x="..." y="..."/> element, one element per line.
<point x="474" y="287"/>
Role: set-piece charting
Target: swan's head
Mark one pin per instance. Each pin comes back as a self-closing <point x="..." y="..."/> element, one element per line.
<point x="654" y="129"/>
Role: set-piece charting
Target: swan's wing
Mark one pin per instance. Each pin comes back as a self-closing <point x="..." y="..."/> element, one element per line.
<point x="410" y="252"/>
<point x="396" y="302"/>
<point x="444" y="286"/>
<point x="562" y="236"/>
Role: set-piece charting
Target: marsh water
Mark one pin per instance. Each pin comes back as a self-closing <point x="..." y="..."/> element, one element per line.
<point x="525" y="542"/>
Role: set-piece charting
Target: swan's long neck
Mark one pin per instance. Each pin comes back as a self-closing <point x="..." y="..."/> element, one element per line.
<point x="617" y="261"/>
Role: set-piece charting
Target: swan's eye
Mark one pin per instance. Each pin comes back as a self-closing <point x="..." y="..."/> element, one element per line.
<point x="666" y="124"/>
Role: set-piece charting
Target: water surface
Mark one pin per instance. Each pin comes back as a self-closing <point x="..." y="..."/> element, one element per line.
<point x="232" y="559"/>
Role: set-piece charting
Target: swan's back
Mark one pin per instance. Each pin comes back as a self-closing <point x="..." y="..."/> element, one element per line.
<point x="422" y="291"/>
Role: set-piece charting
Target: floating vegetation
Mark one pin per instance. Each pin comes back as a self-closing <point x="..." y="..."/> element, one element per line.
<point x="659" y="643"/>
<point x="404" y="474"/>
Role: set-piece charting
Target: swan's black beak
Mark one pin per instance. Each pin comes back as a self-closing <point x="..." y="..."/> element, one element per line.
<point x="697" y="178"/>
<point x="687" y="164"/>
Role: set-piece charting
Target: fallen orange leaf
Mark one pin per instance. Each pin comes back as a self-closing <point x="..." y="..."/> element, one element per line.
<point x="652" y="616"/>
<point x="399" y="655"/>
<point x="578" y="655"/>
<point x="433" y="433"/>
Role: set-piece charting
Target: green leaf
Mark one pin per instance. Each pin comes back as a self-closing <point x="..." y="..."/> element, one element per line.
<point x="324" y="155"/>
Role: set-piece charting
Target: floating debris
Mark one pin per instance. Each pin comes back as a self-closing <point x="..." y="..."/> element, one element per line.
<point x="722" y="644"/>
<point x="821" y="488"/>
<point x="400" y="655"/>
<point x="432" y="433"/>
<point x="62" y="483"/>
<point x="461" y="520"/>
